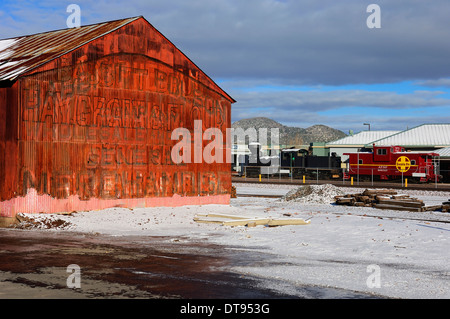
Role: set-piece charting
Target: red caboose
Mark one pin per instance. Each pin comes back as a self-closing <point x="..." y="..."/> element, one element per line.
<point x="393" y="162"/>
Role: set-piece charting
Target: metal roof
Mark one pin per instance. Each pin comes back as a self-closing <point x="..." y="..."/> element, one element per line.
<point x="361" y="138"/>
<point x="429" y="135"/>
<point x="23" y="54"/>
<point x="444" y="152"/>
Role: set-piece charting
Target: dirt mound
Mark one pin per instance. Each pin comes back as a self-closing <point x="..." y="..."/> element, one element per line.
<point x="313" y="194"/>
<point x="40" y="221"/>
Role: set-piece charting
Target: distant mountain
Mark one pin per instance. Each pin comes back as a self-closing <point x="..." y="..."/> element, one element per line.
<point x="292" y="136"/>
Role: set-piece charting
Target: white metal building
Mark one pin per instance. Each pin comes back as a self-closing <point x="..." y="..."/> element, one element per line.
<point x="444" y="152"/>
<point x="426" y="137"/>
<point x="353" y="143"/>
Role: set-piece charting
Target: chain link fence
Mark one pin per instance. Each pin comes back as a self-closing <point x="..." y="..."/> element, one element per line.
<point x="356" y="176"/>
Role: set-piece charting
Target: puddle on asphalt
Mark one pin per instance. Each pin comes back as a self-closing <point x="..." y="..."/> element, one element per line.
<point x="33" y="264"/>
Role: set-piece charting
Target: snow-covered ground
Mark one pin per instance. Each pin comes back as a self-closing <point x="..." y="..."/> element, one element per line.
<point x="388" y="253"/>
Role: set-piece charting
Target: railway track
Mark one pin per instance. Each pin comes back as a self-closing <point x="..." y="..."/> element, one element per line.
<point x="444" y="221"/>
<point x="423" y="217"/>
<point x="340" y="183"/>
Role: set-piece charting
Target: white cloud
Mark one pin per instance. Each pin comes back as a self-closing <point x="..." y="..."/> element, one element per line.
<point x="318" y="100"/>
<point x="344" y="109"/>
<point x="442" y="82"/>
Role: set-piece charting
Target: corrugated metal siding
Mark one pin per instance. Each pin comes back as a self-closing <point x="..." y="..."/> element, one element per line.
<point x="362" y="138"/>
<point x="96" y="122"/>
<point x="424" y="135"/>
<point x="8" y="141"/>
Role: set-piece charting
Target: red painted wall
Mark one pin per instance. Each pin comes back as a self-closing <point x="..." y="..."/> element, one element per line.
<point x="8" y="142"/>
<point x="92" y="129"/>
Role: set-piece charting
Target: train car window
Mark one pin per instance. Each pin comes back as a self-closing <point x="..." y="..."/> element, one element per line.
<point x="381" y="151"/>
<point x="413" y="162"/>
<point x="360" y="161"/>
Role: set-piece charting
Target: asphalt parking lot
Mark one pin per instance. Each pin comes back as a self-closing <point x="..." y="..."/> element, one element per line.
<point x="36" y="264"/>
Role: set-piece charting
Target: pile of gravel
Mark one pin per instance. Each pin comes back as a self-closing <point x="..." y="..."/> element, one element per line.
<point x="313" y="194"/>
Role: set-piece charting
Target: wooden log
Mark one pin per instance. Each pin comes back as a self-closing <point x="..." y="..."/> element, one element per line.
<point x="379" y="192"/>
<point x="345" y="201"/>
<point x="393" y="202"/>
<point x="411" y="199"/>
<point x="432" y="208"/>
<point x="363" y="198"/>
<point x="382" y="197"/>
<point x="400" y="196"/>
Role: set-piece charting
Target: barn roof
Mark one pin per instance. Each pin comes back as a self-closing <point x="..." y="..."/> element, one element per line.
<point x="23" y="54"/>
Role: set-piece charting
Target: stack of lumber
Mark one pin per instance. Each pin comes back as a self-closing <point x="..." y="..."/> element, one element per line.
<point x="386" y="199"/>
<point x="368" y="198"/>
<point x="233" y="220"/>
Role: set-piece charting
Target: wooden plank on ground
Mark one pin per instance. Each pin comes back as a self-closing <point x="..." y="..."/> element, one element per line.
<point x="223" y="216"/>
<point x="250" y="222"/>
<point x="395" y="207"/>
<point x="288" y="221"/>
<point x="245" y="222"/>
<point x="209" y="221"/>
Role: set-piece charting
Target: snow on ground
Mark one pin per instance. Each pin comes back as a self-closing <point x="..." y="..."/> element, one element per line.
<point x="384" y="252"/>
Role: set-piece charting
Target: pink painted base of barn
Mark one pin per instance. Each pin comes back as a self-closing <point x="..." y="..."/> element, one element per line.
<point x="34" y="203"/>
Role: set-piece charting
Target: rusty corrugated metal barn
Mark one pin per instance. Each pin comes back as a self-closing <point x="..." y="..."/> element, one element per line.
<point x="86" y="116"/>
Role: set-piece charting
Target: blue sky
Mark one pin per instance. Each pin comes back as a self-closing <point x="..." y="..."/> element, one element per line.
<point x="299" y="62"/>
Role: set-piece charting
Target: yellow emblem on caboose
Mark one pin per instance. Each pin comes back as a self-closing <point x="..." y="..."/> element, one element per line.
<point x="403" y="164"/>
